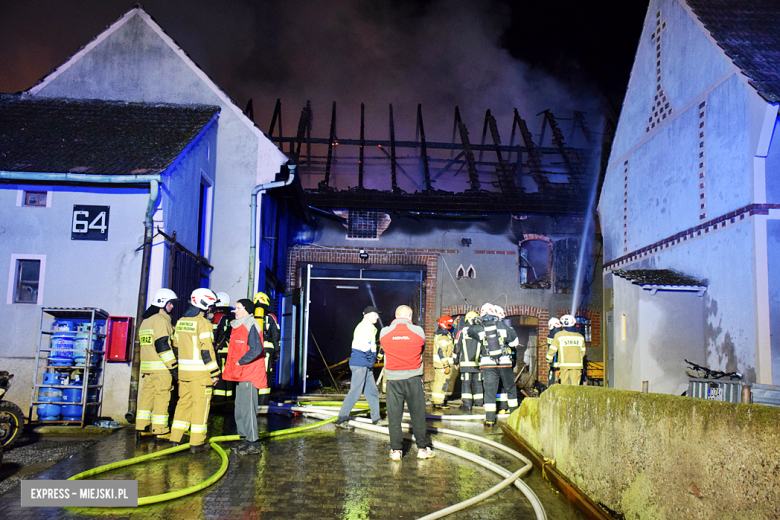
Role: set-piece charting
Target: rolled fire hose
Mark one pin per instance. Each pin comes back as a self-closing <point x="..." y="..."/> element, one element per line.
<point x="510" y="478"/>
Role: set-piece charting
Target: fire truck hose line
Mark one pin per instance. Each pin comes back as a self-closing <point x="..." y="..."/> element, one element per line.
<point x="329" y="416"/>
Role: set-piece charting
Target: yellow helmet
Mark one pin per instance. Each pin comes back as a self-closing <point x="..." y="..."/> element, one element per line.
<point x="471" y="315"/>
<point x="261" y="302"/>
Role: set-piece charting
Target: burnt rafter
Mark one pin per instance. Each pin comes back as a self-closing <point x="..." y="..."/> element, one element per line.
<point x="505" y="180"/>
<point x="470" y="162"/>
<point x="394" y="175"/>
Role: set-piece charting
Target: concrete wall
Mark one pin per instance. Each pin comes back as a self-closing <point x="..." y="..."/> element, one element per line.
<point x="658" y="456"/>
<point x="134" y="60"/>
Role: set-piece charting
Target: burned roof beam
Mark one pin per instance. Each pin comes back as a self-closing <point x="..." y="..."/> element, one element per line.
<point x="505" y="180"/>
<point x="393" y="176"/>
<point x="447" y="166"/>
<point x="303" y="123"/>
<point x="534" y="157"/>
<point x="423" y="149"/>
<point x="331" y="141"/>
<point x="362" y="143"/>
<point x="464" y="140"/>
<point x="276" y="116"/>
<point x="575" y="169"/>
<point x="432" y="145"/>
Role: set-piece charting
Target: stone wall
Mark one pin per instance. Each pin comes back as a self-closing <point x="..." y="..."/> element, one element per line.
<point x="659" y="456"/>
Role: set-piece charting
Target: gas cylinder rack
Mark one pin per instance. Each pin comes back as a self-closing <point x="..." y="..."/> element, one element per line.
<point x="71" y="378"/>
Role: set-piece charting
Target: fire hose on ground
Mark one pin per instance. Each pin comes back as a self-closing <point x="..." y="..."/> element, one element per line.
<point x="330" y="416"/>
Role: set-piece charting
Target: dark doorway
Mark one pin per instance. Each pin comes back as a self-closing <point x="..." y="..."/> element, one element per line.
<point x="337" y="296"/>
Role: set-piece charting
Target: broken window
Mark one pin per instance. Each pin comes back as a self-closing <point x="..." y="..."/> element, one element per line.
<point x="535" y="264"/>
<point x="583" y="327"/>
<point x="565" y="253"/>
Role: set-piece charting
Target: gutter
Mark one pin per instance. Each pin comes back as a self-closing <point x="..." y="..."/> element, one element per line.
<point x="261" y="188"/>
<point x="154" y="190"/>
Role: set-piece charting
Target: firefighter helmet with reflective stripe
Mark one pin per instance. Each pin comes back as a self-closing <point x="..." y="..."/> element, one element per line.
<point x="262" y="299"/>
<point x="487" y="309"/>
<point x="567" y="320"/>
<point x="203" y="298"/>
<point x="471" y="316"/>
<point x="163" y="296"/>
<point x="500" y="312"/>
<point x="445" y="322"/>
<point x="223" y="299"/>
<point x="554" y="323"/>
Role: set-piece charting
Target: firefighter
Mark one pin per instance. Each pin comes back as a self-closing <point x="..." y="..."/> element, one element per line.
<point x="502" y="398"/>
<point x="158" y="365"/>
<point x="570" y="347"/>
<point x="198" y="370"/>
<point x="443" y="363"/>
<point x="497" y="341"/>
<point x="554" y="324"/>
<point x="466" y="353"/>
<point x="220" y="319"/>
<point x="270" y="329"/>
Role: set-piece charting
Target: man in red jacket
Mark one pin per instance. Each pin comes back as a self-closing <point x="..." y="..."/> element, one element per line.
<point x="246" y="364"/>
<point x="403" y="344"/>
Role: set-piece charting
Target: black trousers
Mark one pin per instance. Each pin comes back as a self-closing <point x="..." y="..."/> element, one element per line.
<point x="471" y="388"/>
<point x="411" y="391"/>
<point x="492" y="378"/>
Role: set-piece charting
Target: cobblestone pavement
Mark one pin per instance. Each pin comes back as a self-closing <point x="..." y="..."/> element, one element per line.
<point x="319" y="474"/>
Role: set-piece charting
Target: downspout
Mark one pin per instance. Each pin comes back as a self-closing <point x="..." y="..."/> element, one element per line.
<point x="135" y="367"/>
<point x="154" y="190"/>
<point x="253" y="224"/>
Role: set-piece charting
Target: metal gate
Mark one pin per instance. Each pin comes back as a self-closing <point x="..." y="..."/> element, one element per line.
<point x="185" y="273"/>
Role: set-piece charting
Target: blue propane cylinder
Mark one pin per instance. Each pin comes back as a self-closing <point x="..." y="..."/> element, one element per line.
<point x="71" y="412"/>
<point x="82" y="342"/>
<point x="62" y="349"/>
<point x="72" y="395"/>
<point x="47" y="411"/>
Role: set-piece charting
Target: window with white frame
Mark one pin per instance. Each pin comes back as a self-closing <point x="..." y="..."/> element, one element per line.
<point x="36" y="198"/>
<point x="25" y="279"/>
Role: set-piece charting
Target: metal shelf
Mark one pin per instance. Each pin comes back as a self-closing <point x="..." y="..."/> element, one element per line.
<point x="95" y="317"/>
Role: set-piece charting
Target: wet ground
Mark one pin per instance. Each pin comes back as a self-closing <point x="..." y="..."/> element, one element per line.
<point x="323" y="473"/>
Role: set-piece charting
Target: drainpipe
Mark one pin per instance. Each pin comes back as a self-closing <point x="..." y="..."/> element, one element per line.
<point x="253" y="229"/>
<point x="146" y="260"/>
<point x="154" y="190"/>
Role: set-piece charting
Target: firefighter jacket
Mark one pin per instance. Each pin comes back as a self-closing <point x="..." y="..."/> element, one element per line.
<point x="403" y="344"/>
<point x="194" y="341"/>
<point x="442" y="349"/>
<point x="271" y="336"/>
<point x="466" y="351"/>
<point x="246" y="359"/>
<point x="221" y="323"/>
<point x="552" y="360"/>
<point x="570" y="347"/>
<point x="497" y="343"/>
<point x="156" y="352"/>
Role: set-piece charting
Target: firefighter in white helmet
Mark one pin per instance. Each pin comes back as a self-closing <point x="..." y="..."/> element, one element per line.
<point x="220" y="320"/>
<point x="570" y="347"/>
<point x="497" y="341"/>
<point x="198" y="370"/>
<point x="554" y="326"/>
<point x="158" y="365"/>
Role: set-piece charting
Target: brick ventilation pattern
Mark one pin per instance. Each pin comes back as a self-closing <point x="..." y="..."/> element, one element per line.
<point x="702" y="164"/>
<point x="661" y="104"/>
<point x="625" y="205"/>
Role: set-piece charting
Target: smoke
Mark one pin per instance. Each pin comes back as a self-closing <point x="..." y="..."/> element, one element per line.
<point x="441" y="54"/>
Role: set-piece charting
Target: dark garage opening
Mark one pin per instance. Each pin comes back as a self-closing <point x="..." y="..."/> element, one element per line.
<point x="338" y="295"/>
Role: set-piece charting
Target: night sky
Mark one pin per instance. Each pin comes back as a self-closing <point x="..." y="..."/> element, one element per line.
<point x="477" y="54"/>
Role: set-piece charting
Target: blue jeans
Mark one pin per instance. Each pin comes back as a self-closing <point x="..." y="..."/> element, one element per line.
<point x="362" y="383"/>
